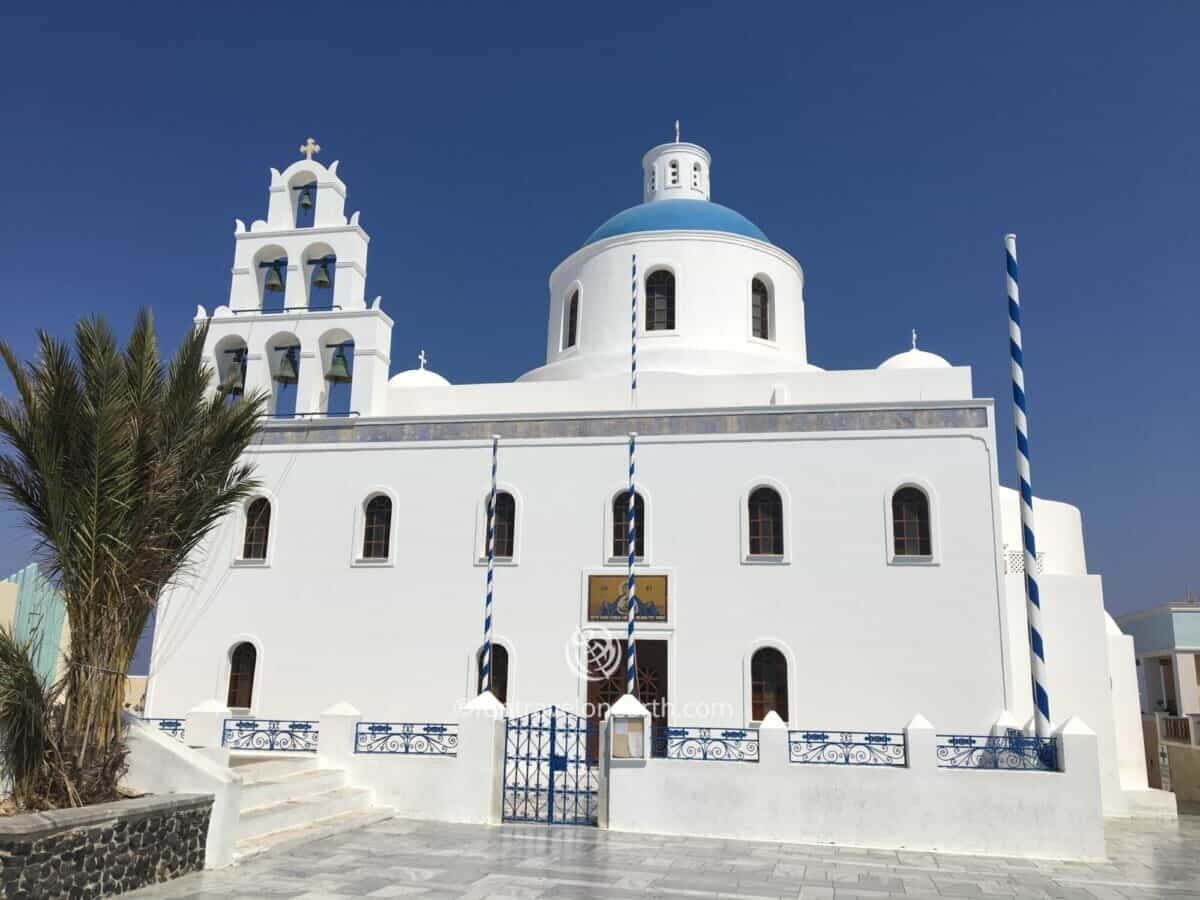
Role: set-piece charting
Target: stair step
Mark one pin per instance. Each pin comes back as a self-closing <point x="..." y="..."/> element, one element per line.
<point x="260" y="820"/>
<point x="268" y="768"/>
<point x="321" y="828"/>
<point x="291" y="786"/>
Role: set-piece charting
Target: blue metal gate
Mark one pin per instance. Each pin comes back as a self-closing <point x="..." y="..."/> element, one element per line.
<point x="551" y="773"/>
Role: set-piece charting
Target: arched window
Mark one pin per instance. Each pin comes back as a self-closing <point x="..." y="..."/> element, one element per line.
<point x="377" y="528"/>
<point x="320" y="284"/>
<point x="274" y="284"/>
<point x="910" y="523"/>
<point x="768" y="684"/>
<point x="258" y="529"/>
<point x="306" y="204"/>
<point x="760" y="309"/>
<point x="660" y="301"/>
<point x="571" y="321"/>
<point x="653" y="178"/>
<point x="499" y="672"/>
<point x="505" y="524"/>
<point x="241" y="676"/>
<point x="766" y="522"/>
<point x="673" y="173"/>
<point x="696" y="175"/>
<point x="620" y="520"/>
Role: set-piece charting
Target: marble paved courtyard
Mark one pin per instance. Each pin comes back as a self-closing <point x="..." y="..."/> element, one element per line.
<point x="405" y="858"/>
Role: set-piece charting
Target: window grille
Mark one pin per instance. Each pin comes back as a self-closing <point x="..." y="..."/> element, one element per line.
<point x="620" y="518"/>
<point x="910" y="523"/>
<point x="505" y="525"/>
<point x="377" y="528"/>
<point x="258" y="527"/>
<point x="766" y="523"/>
<point x="660" y="301"/>
<point x="760" y="309"/>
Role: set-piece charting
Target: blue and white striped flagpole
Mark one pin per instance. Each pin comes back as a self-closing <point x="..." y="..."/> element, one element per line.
<point x="631" y="542"/>
<point x="633" y="321"/>
<point x="1033" y="603"/>
<point x="631" y="535"/>
<point x="485" y="666"/>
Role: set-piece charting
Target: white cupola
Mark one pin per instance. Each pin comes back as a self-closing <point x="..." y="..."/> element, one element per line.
<point x="676" y="171"/>
<point x="915" y="359"/>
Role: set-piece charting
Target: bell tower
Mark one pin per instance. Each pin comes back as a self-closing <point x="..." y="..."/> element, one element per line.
<point x="297" y="323"/>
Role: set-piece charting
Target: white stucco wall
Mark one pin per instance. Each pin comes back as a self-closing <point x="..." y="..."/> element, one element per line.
<point x="870" y="641"/>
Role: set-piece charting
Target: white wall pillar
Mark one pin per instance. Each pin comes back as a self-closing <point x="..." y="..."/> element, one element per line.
<point x="337" y="726"/>
<point x="204" y="728"/>
<point x="481" y="757"/>
<point x="773" y="742"/>
<point x="1187" y="692"/>
<point x="920" y="744"/>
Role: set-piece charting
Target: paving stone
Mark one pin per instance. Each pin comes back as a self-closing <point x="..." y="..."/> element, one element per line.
<point x="438" y="861"/>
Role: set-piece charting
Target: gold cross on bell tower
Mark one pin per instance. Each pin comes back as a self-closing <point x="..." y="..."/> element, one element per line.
<point x="309" y="147"/>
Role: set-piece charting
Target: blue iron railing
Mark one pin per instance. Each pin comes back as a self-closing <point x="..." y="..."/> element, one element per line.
<point x="169" y="727"/>
<point x="848" y="748"/>
<point x="415" y="738"/>
<point x="1013" y="750"/>
<point x="269" y="734"/>
<point x="723" y="744"/>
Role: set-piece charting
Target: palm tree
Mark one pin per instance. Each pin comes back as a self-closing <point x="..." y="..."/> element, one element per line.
<point x="121" y="467"/>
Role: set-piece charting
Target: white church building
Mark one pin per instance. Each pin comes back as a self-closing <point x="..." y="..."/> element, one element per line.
<point x="829" y="574"/>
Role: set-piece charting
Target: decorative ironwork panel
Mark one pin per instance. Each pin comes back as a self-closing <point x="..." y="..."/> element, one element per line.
<point x="550" y="774"/>
<point x="1013" y="750"/>
<point x="170" y="727"/>
<point x="721" y="744"/>
<point x="270" y="734"/>
<point x="848" y="748"/>
<point x="413" y="738"/>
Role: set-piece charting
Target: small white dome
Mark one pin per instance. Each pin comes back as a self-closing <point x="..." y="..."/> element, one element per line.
<point x="915" y="359"/>
<point x="411" y="378"/>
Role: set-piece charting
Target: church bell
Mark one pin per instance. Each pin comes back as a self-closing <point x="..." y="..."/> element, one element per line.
<point x="321" y="276"/>
<point x="286" y="373"/>
<point x="273" y="281"/>
<point x="339" y="367"/>
<point x="306" y="199"/>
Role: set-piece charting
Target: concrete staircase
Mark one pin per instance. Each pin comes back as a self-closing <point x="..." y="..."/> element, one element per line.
<point x="288" y="799"/>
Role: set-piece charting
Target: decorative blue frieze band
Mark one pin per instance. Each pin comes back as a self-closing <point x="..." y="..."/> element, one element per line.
<point x="721" y="744"/>
<point x="848" y="748"/>
<point x="997" y="751"/>
<point x="413" y="738"/>
<point x="270" y="734"/>
<point x="170" y="727"/>
<point x="373" y="431"/>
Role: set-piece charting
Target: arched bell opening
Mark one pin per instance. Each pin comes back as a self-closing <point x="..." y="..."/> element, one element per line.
<point x="283" y="352"/>
<point x="304" y="201"/>
<point x="320" y="262"/>
<point x="230" y="366"/>
<point x="271" y="269"/>
<point x="337" y="363"/>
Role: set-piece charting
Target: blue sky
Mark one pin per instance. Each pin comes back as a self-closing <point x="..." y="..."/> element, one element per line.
<point x="888" y="148"/>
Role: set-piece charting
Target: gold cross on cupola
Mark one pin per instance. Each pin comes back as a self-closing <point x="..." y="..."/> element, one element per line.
<point x="310" y="147"/>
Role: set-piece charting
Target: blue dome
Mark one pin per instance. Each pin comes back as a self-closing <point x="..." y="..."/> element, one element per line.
<point x="677" y="215"/>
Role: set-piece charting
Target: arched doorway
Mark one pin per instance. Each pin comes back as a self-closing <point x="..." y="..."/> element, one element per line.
<point x="242" y="662"/>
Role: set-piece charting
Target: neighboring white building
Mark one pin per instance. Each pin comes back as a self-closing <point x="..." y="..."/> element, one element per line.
<point x="831" y="545"/>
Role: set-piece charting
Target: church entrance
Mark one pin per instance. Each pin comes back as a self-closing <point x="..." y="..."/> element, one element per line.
<point x="551" y="771"/>
<point x="607" y="686"/>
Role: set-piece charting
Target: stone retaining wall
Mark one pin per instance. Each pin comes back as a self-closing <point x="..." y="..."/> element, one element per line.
<point x="101" y="850"/>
